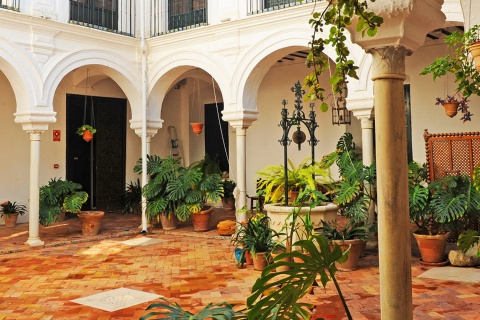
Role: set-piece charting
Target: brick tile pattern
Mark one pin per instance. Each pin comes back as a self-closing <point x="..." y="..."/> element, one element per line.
<point x="190" y="268"/>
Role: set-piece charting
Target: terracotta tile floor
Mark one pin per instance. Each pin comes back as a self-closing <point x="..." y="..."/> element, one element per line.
<point x="190" y="268"/>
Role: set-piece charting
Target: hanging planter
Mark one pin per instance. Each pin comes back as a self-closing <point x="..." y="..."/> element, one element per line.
<point x="451" y="108"/>
<point x="474" y="50"/>
<point x="86" y="131"/>
<point x="197" y="128"/>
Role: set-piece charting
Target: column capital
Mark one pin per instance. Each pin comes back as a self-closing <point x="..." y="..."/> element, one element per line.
<point x="35" y="121"/>
<point x="240" y="118"/>
<point x="389" y="62"/>
<point x="361" y="107"/>
<point x="405" y="23"/>
<point x="152" y="126"/>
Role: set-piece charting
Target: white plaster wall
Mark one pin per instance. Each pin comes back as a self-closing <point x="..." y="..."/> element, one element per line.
<point x="425" y="114"/>
<point x="15" y="151"/>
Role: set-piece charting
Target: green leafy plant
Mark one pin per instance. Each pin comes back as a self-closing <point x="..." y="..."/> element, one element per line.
<point x="460" y="65"/>
<point x="436" y="207"/>
<point x="12" y="207"/>
<point x="173" y="311"/>
<point x="468" y="239"/>
<point x="335" y="18"/>
<point x="350" y="193"/>
<point x="306" y="174"/>
<point x="276" y="295"/>
<point x="60" y="195"/>
<point x="228" y="187"/>
<point x="348" y="231"/>
<point x="132" y="197"/>
<point x="87" y="127"/>
<point x="255" y="235"/>
<point x="162" y="171"/>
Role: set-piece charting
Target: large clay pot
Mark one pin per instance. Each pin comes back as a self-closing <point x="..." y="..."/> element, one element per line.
<point x="201" y="220"/>
<point x="260" y="261"/>
<point x="432" y="248"/>
<point x="353" y="255"/>
<point x="10" y="219"/>
<point x="169" y="222"/>
<point x="91" y="222"/>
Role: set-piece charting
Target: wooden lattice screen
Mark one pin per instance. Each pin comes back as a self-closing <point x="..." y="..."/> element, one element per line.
<point x="451" y="153"/>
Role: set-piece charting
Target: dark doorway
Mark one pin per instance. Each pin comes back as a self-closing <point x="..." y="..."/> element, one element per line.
<point x="213" y="135"/>
<point x="98" y="165"/>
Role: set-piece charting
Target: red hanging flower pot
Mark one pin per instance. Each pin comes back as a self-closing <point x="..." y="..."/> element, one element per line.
<point x="197" y="128"/>
<point x="87" y="135"/>
<point x="86" y="132"/>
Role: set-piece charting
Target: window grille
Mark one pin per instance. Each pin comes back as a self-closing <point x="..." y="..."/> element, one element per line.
<point x="256" y="6"/>
<point x="13" y="5"/>
<point x="175" y="15"/>
<point x="109" y="15"/>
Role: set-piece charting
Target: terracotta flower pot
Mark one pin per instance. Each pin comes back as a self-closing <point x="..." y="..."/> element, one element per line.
<point x="260" y="261"/>
<point x="432" y="248"/>
<point x="201" y="220"/>
<point x="197" y="128"/>
<point x="87" y="135"/>
<point x="228" y="203"/>
<point x="451" y="108"/>
<point x="248" y="257"/>
<point x="91" y="222"/>
<point x="353" y="256"/>
<point x="475" y="52"/>
<point x="10" y="219"/>
<point x="169" y="222"/>
<point x="287" y="259"/>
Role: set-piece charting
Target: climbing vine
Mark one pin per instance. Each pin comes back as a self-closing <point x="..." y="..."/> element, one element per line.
<point x="336" y="16"/>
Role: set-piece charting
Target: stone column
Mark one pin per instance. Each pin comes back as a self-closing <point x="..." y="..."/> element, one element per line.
<point x="152" y="129"/>
<point x="392" y="183"/>
<point x="241" y="120"/>
<point x="362" y="109"/>
<point x="34" y="205"/>
<point x="241" y="135"/>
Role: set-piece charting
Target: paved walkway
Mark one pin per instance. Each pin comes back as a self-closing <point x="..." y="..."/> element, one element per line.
<point x="190" y="268"/>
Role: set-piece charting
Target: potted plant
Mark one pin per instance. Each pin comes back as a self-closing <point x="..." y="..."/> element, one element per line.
<point x="350" y="193"/>
<point x="435" y="208"/>
<point x="257" y="237"/>
<point x="132" y="197"/>
<point x="10" y="212"/>
<point x="194" y="188"/>
<point x="228" y="200"/>
<point x="86" y="131"/>
<point x="351" y="236"/>
<point x="452" y="104"/>
<point x="278" y="295"/>
<point x="461" y="65"/>
<point x="60" y="196"/>
<point x="473" y="42"/>
<point x="272" y="179"/>
<point x="161" y="202"/>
